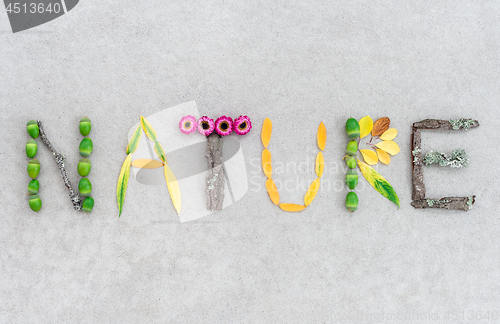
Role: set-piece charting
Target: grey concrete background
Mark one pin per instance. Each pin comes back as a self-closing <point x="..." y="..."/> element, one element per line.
<point x="299" y="63"/>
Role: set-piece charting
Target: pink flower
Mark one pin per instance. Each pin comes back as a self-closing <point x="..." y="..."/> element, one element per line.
<point x="205" y="125"/>
<point x="242" y="125"/>
<point x="188" y="124"/>
<point x="224" y="125"/>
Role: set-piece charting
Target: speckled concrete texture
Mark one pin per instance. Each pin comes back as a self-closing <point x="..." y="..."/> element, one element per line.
<point x="299" y="63"/>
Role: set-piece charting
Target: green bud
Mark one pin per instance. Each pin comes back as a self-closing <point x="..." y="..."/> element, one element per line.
<point x="352" y="128"/>
<point x="31" y="148"/>
<point x="351" y="179"/>
<point x="33" y="168"/>
<point x="88" y="204"/>
<point x="33" y="187"/>
<point x="85" y="187"/>
<point x="350" y="161"/>
<point x="352" y="147"/>
<point x="33" y="129"/>
<point x="85" y="126"/>
<point x="351" y="201"/>
<point x="86" y="146"/>
<point x="84" y="167"/>
<point x="35" y="203"/>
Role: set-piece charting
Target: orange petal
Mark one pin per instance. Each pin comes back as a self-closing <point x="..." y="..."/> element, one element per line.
<point x="267" y="129"/>
<point x="311" y="192"/>
<point x="266" y="163"/>
<point x="292" y="207"/>
<point x="369" y="156"/>
<point x="321" y="136"/>
<point x="383" y="156"/>
<point x="320" y="164"/>
<point x="272" y="191"/>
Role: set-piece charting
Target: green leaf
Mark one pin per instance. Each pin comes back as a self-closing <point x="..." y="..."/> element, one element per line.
<point x="159" y="151"/>
<point x="121" y="187"/>
<point x="134" y="141"/>
<point x="378" y="182"/>
<point x="148" y="129"/>
<point x="173" y="188"/>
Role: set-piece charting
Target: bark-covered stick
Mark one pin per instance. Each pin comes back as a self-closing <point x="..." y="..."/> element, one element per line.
<point x="456" y="203"/>
<point x="215" y="178"/>
<point x="75" y="196"/>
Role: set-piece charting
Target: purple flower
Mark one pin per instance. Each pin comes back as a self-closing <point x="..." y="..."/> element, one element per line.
<point x="224" y="125"/>
<point x="205" y="125"/>
<point x="242" y="125"/>
<point x="188" y="124"/>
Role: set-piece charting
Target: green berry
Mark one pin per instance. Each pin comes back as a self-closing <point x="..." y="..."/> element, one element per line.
<point x="350" y="161"/>
<point x="35" y="203"/>
<point x="33" y="168"/>
<point x="85" y="187"/>
<point x="84" y="167"/>
<point x="88" y="204"/>
<point x="352" y="148"/>
<point x="33" y="129"/>
<point x="31" y="148"/>
<point x="352" y="128"/>
<point x="351" y="179"/>
<point x="33" y="187"/>
<point x="351" y="201"/>
<point x="86" y="146"/>
<point x="85" y="126"/>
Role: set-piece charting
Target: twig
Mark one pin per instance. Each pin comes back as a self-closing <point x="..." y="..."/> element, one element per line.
<point x="215" y="178"/>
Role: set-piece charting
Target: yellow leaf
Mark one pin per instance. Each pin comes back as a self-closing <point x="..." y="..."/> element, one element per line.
<point x="378" y="182"/>
<point x="380" y="126"/>
<point x="383" y="156"/>
<point x="121" y="187"/>
<point x="321" y="136"/>
<point x="147" y="164"/>
<point x="266" y="163"/>
<point x="134" y="141"/>
<point x="369" y="156"/>
<point x="173" y="188"/>
<point x="267" y="129"/>
<point x="292" y="207"/>
<point x="311" y="192"/>
<point x="148" y="129"/>
<point x="365" y="126"/>
<point x="389" y="146"/>
<point x="272" y="191"/>
<point x="159" y="151"/>
<point x="389" y="134"/>
<point x="320" y="164"/>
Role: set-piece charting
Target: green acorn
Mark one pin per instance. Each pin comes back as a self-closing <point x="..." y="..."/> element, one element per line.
<point x="84" y="167"/>
<point x="31" y="148"/>
<point x="35" y="203"/>
<point x="351" y="179"/>
<point x="352" y="128"/>
<point x="351" y="201"/>
<point x="85" y="126"/>
<point x="350" y="161"/>
<point x="33" y="168"/>
<point x="88" y="204"/>
<point x="86" y="146"/>
<point x="33" y="187"/>
<point x="352" y="148"/>
<point x="33" y="129"/>
<point x="85" y="187"/>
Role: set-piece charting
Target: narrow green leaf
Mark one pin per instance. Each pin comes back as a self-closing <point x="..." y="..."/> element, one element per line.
<point x="173" y="188"/>
<point x="134" y="141"/>
<point x="159" y="151"/>
<point x="148" y="129"/>
<point x="121" y="187"/>
<point x="378" y="182"/>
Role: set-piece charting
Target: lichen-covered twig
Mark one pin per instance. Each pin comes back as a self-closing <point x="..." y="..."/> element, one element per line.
<point x="75" y="196"/>
<point x="215" y="178"/>
<point x="456" y="203"/>
<point x="457" y="159"/>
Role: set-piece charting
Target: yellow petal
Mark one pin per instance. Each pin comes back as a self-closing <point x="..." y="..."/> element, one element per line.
<point x="389" y="146"/>
<point x="365" y="126"/>
<point x="389" y="134"/>
<point x="267" y="129"/>
<point x="369" y="156"/>
<point x="292" y="207"/>
<point x="147" y="164"/>
<point x="321" y="136"/>
<point x="266" y="163"/>
<point x="320" y="164"/>
<point x="383" y="156"/>
<point x="272" y="191"/>
<point x="311" y="192"/>
<point x="173" y="188"/>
